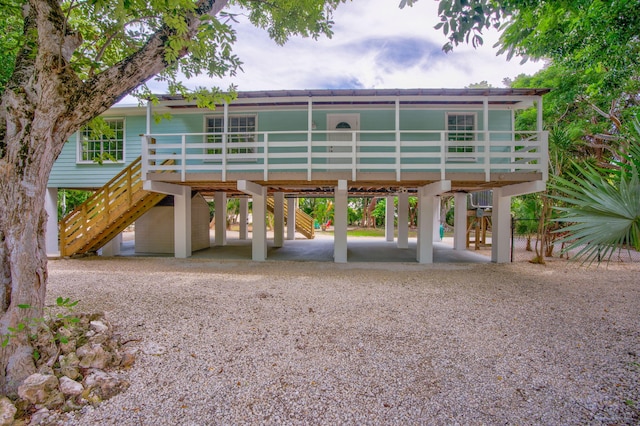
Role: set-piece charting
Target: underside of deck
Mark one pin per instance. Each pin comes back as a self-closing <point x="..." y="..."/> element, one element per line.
<point x="324" y="183"/>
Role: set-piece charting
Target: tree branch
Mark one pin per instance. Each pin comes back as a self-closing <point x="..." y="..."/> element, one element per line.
<point x="105" y="89"/>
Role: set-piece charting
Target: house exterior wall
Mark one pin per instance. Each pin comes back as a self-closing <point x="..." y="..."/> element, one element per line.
<point x="68" y="173"/>
<point x="155" y="229"/>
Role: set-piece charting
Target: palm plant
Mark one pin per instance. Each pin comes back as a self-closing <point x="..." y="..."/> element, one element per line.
<point x="601" y="206"/>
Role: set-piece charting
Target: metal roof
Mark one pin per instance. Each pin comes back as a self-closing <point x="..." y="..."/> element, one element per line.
<point x="372" y="96"/>
<point x="379" y="93"/>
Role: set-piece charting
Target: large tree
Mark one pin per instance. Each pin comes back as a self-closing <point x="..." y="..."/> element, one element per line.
<point x="65" y="62"/>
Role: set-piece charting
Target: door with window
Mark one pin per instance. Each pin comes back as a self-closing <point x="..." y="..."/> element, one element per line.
<point x="341" y="128"/>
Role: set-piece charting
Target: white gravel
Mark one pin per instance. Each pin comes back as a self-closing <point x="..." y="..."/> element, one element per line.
<point x="238" y="342"/>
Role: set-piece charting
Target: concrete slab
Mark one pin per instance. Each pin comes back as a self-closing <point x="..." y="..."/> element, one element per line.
<point x="320" y="249"/>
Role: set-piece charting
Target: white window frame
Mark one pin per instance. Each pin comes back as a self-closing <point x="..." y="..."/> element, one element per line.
<point x="79" y="142"/>
<point x="454" y="148"/>
<point x="230" y="135"/>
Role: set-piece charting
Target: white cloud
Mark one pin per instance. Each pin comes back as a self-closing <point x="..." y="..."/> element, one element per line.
<point x="375" y="45"/>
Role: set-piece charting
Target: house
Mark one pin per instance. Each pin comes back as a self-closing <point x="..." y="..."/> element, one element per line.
<point x="275" y="145"/>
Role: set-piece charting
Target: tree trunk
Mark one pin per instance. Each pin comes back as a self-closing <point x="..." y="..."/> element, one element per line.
<point x="43" y="104"/>
<point x="371" y="221"/>
<point x="30" y="151"/>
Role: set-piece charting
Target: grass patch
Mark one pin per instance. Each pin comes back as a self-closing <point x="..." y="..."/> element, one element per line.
<point x="366" y="232"/>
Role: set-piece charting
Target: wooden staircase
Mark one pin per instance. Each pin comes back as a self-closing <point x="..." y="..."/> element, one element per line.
<point x="304" y="222"/>
<point x="107" y="212"/>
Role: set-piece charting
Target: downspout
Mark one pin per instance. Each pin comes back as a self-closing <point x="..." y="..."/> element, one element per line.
<point x="149" y="116"/>
<point x="398" y="157"/>
<point x="309" y="135"/>
<point x="487" y="142"/>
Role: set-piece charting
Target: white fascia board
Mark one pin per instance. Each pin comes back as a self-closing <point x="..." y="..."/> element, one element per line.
<point x="435" y="188"/>
<point x="523" y="188"/>
<point x="249" y="187"/>
<point x="163" y="187"/>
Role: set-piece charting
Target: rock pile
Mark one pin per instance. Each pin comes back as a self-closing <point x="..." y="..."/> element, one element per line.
<point x="77" y="364"/>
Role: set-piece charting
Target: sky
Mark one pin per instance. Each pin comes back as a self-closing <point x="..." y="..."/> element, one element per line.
<point x="376" y="45"/>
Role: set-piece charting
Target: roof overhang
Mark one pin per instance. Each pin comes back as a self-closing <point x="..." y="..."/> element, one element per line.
<point x="517" y="98"/>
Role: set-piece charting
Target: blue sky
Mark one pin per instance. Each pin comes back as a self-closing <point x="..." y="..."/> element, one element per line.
<point x="375" y="45"/>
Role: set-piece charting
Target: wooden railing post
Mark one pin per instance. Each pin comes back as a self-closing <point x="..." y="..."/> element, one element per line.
<point x="84" y="220"/>
<point x="63" y="236"/>
<point x="106" y="204"/>
<point x="129" y="178"/>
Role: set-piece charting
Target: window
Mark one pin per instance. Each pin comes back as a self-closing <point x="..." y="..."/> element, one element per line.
<point x="241" y="129"/>
<point x="102" y="143"/>
<point x="460" y="128"/>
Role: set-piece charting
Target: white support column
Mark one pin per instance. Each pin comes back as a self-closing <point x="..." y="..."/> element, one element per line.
<point x="486" y="139"/>
<point x="500" y="227"/>
<point x="398" y="147"/>
<point x="292" y="206"/>
<point x="389" y="220"/>
<point x="244" y="218"/>
<point x="149" y="116"/>
<point x="539" y="119"/>
<point x="424" y="253"/>
<point x="181" y="216"/>
<point x="259" y="235"/>
<point x="436" y="220"/>
<point x="51" y="237"/>
<point x="340" y="222"/>
<point x="182" y="222"/>
<point x="310" y="130"/>
<point x="460" y="221"/>
<point x="278" y="219"/>
<point x="427" y="199"/>
<point x="501" y="217"/>
<point x="220" y="201"/>
<point x="403" y="220"/>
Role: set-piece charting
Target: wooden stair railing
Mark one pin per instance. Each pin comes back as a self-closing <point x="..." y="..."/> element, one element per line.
<point x="107" y="212"/>
<point x="304" y="222"/>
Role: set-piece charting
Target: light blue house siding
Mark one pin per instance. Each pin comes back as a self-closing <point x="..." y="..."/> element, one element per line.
<point x="69" y="173"/>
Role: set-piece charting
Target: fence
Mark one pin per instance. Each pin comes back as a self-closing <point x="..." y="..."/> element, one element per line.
<point x="524" y="241"/>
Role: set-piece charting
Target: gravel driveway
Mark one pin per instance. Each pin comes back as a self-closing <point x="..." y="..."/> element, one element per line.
<point x="238" y="342"/>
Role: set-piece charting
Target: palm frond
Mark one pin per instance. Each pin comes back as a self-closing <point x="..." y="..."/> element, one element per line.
<point x="601" y="211"/>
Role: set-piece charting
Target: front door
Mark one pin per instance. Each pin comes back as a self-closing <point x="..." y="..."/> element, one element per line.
<point x="341" y="127"/>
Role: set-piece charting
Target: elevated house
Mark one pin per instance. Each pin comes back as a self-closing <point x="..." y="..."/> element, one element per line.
<point x="273" y="146"/>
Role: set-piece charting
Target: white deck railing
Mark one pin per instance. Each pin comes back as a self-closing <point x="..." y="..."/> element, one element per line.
<point x="356" y="151"/>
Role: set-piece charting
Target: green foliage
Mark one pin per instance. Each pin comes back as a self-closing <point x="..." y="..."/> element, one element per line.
<point x="602" y="207"/>
<point x="597" y="38"/>
<point x="69" y="199"/>
<point x="281" y="18"/>
<point x="379" y="212"/>
<point x="30" y="325"/>
<point x="322" y="210"/>
<point x="113" y="31"/>
<point x="526" y="209"/>
<point x="11" y="30"/>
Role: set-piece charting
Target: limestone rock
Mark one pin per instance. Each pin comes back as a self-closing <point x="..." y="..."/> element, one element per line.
<point x="104" y="384"/>
<point x="70" y="387"/>
<point x="152" y="348"/>
<point x="98" y="327"/>
<point x="68" y="347"/>
<point x="70" y="344"/>
<point x="69" y="365"/>
<point x="41" y="389"/>
<point x="40" y="416"/>
<point x="93" y="356"/>
<point x="128" y="357"/>
<point x="7" y="411"/>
